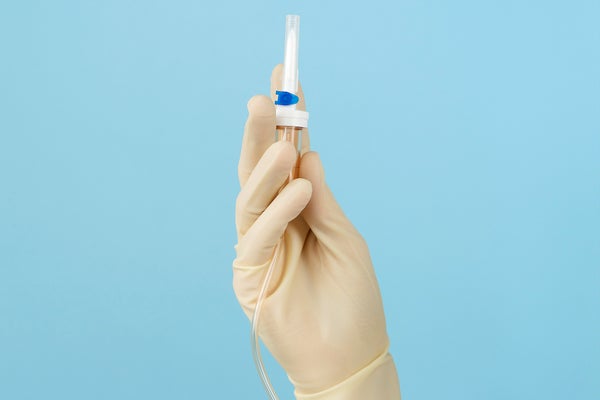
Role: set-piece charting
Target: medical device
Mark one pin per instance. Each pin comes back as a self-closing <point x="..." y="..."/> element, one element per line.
<point x="289" y="125"/>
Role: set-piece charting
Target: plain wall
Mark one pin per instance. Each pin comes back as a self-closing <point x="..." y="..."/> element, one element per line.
<point x="462" y="138"/>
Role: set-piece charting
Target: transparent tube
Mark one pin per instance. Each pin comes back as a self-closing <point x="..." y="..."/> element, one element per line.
<point x="254" y="334"/>
<point x="292" y="134"/>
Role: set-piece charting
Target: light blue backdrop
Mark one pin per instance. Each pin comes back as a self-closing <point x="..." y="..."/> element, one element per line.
<point x="462" y="138"/>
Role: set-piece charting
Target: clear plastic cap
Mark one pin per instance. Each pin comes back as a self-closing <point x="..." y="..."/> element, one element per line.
<point x="290" y="60"/>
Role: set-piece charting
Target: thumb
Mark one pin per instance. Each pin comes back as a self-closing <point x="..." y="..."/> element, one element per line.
<point x="323" y="213"/>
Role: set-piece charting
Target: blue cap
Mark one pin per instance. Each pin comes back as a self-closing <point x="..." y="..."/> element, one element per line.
<point x="286" y="98"/>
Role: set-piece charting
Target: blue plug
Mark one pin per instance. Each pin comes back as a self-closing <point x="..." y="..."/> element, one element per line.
<point x="286" y="98"/>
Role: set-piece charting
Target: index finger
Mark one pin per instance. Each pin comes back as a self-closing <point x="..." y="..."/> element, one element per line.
<point x="259" y="134"/>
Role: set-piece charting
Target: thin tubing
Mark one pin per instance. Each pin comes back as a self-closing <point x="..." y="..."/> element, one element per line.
<point x="294" y="135"/>
<point x="254" y="335"/>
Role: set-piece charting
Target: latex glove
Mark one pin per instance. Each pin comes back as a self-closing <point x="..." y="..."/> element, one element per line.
<point x="323" y="317"/>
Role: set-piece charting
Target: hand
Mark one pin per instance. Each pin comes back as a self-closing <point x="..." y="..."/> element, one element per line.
<point x="322" y="318"/>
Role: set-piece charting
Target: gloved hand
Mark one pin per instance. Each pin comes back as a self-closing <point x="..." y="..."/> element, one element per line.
<point x="323" y="317"/>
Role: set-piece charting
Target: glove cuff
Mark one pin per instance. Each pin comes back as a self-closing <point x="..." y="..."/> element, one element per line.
<point x="378" y="380"/>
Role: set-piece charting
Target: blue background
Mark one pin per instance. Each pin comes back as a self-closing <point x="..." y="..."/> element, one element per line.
<point x="461" y="137"/>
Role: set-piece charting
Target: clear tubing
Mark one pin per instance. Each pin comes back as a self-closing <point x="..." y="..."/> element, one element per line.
<point x="254" y="334"/>
<point x="291" y="134"/>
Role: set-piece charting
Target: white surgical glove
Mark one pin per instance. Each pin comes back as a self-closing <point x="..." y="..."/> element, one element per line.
<point x="322" y="318"/>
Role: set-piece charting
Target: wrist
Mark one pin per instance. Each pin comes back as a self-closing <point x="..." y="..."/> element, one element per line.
<point x="378" y="380"/>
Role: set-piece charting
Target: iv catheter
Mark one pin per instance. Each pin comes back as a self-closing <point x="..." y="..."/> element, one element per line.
<point x="289" y="120"/>
<point x="289" y="125"/>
